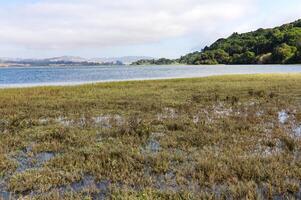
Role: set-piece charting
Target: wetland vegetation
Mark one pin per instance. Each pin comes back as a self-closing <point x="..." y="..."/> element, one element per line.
<point x="226" y="137"/>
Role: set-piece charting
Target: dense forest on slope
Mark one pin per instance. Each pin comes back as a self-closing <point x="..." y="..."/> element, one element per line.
<point x="161" y="61"/>
<point x="280" y="45"/>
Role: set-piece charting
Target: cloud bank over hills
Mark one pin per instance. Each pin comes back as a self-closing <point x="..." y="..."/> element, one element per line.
<point x="56" y="25"/>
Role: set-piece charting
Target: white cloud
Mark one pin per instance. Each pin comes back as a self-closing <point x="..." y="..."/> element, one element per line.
<point x="101" y="23"/>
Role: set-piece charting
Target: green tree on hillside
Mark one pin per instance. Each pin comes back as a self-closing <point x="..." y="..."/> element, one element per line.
<point x="248" y="57"/>
<point x="283" y="53"/>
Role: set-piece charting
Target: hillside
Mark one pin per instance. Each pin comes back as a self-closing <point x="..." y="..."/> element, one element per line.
<point x="280" y="45"/>
<point x="161" y="61"/>
<point x="69" y="61"/>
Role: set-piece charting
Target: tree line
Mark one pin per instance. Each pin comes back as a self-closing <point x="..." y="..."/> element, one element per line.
<point x="279" y="45"/>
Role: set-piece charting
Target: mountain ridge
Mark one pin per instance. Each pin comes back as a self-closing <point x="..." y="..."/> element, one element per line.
<point x="69" y="60"/>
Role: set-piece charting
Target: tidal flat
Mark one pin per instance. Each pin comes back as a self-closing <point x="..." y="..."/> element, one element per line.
<point x="222" y="137"/>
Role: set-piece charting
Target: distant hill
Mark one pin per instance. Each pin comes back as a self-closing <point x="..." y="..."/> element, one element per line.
<point x="74" y="59"/>
<point x="125" y="60"/>
<point x="69" y="61"/>
<point x="280" y="45"/>
<point x="56" y="61"/>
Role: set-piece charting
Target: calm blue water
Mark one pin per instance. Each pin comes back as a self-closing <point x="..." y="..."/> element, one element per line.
<point x="33" y="76"/>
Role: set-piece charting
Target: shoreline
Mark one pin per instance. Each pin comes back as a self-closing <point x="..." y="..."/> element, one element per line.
<point x="73" y="84"/>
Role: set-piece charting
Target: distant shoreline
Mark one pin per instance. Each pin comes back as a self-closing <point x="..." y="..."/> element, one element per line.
<point x="148" y="65"/>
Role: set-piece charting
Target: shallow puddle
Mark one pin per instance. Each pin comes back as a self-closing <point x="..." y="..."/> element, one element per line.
<point x="87" y="184"/>
<point x="297" y="131"/>
<point x="153" y="146"/>
<point x="168" y="113"/>
<point x="283" y="117"/>
<point x="64" y="121"/>
<point x="4" y="193"/>
<point x="25" y="162"/>
<point x="221" y="111"/>
<point x="167" y="182"/>
<point x="107" y="121"/>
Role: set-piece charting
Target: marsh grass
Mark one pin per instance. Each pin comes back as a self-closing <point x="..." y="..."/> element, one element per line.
<point x="204" y="138"/>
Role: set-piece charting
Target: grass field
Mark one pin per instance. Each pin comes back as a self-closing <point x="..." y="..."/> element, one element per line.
<point x="227" y="137"/>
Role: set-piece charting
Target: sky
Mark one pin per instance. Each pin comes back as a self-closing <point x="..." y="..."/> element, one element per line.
<point x="114" y="28"/>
